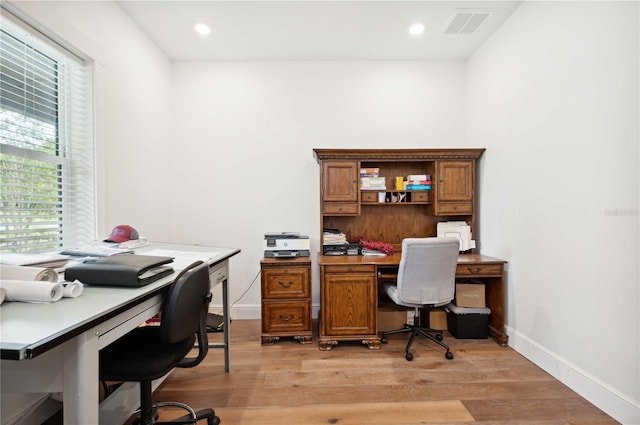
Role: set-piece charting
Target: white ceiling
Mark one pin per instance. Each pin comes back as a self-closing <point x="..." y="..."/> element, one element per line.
<point x="313" y="30"/>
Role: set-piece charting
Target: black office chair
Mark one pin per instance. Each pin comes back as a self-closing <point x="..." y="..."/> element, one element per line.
<point x="426" y="279"/>
<point x="149" y="352"/>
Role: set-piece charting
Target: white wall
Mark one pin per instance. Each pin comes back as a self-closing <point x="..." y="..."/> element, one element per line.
<point x="553" y="96"/>
<point x="246" y="133"/>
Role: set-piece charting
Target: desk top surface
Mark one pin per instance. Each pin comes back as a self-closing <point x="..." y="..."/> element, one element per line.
<point x="25" y="328"/>
<point x="394" y="259"/>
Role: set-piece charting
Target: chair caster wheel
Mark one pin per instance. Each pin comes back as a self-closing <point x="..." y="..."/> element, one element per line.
<point x="384" y="340"/>
<point x="439" y="337"/>
<point x="449" y="355"/>
<point x="408" y="356"/>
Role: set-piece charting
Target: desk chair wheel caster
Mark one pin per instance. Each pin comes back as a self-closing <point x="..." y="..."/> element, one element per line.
<point x="439" y="337"/>
<point x="408" y="356"/>
<point x="384" y="340"/>
<point x="449" y="355"/>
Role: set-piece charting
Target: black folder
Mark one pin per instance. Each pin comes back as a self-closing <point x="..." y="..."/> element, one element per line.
<point x="130" y="270"/>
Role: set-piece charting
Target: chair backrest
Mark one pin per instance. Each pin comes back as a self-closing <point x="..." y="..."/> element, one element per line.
<point x="186" y="303"/>
<point x="427" y="270"/>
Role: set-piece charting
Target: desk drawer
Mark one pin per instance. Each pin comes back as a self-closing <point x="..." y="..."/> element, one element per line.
<point x="355" y="268"/>
<point x="340" y="208"/>
<point x="479" y="270"/>
<point x="218" y="273"/>
<point x="453" y="208"/>
<point x="289" y="282"/>
<point x="286" y="316"/>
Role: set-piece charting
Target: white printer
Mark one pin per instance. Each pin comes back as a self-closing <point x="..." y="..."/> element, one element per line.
<point x="286" y="245"/>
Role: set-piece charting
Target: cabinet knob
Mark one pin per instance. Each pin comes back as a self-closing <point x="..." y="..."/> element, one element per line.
<point x="285" y="284"/>
<point x="287" y="317"/>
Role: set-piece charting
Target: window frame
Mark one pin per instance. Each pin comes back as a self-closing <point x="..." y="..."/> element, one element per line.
<point x="72" y="219"/>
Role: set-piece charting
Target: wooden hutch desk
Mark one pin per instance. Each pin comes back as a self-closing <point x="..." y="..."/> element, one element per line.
<point x="349" y="284"/>
<point x="349" y="295"/>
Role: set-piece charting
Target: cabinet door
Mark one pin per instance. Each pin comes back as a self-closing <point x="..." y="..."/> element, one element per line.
<point x="349" y="305"/>
<point x="340" y="181"/>
<point x="455" y="181"/>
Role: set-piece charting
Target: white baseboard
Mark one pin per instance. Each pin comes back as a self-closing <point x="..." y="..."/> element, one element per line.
<point x="619" y="406"/>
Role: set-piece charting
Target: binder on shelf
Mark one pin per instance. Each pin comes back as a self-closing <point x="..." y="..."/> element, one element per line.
<point x="120" y="270"/>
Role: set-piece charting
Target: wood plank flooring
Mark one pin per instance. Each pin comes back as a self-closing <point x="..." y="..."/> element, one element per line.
<point x="290" y="383"/>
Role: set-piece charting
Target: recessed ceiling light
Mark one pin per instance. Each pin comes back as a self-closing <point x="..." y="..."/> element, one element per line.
<point x="416" y="29"/>
<point x="203" y="29"/>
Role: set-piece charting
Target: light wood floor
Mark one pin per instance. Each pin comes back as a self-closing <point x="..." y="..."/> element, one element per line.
<point x="290" y="383"/>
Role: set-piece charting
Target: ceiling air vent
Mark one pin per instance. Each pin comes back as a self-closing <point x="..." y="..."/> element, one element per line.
<point x="465" y="21"/>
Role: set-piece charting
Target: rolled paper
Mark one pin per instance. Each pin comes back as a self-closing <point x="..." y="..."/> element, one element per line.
<point x="31" y="291"/>
<point x="9" y="272"/>
<point x="72" y="289"/>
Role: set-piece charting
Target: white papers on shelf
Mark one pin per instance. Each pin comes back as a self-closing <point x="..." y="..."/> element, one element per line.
<point x="182" y="259"/>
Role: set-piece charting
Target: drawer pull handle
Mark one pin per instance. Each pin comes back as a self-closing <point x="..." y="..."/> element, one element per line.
<point x="285" y="285"/>
<point x="474" y="270"/>
<point x="287" y="317"/>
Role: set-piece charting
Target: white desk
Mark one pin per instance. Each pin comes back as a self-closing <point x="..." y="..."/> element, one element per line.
<point x="55" y="347"/>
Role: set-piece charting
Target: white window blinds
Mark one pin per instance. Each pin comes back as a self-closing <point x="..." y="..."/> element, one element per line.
<point x="46" y="143"/>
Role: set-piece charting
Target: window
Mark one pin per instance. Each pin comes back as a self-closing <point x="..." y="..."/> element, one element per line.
<point x="46" y="143"/>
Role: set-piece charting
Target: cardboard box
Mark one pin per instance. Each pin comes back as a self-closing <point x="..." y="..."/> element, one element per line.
<point x="438" y="319"/>
<point x="470" y="295"/>
<point x="390" y="317"/>
<point x="468" y="323"/>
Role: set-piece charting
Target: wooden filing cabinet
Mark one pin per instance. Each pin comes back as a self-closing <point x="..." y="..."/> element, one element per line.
<point x="286" y="299"/>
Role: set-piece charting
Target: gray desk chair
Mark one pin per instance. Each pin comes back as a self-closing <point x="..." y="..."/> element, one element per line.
<point x="149" y="352"/>
<point x="426" y="279"/>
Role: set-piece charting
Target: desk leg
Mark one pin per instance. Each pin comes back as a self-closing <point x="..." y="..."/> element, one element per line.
<point x="227" y="322"/>
<point x="225" y="326"/>
<point x="80" y="364"/>
<point x="494" y="292"/>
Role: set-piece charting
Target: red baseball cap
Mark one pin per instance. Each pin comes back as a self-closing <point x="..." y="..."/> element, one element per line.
<point x="122" y="233"/>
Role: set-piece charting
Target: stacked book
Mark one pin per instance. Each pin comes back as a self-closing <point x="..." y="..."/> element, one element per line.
<point x="333" y="237"/>
<point x="418" y="182"/>
<point x="370" y="179"/>
<point x="334" y="242"/>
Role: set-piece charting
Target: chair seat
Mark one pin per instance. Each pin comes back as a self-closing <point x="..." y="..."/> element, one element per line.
<point x="391" y="289"/>
<point x="144" y="361"/>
